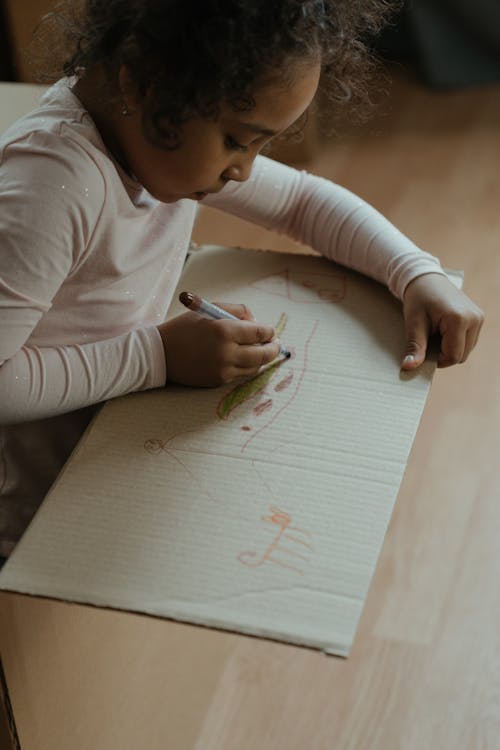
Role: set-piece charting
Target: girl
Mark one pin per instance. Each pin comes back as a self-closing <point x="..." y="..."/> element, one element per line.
<point x="166" y="104"/>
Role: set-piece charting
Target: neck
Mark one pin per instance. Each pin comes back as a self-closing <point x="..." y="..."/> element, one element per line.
<point x="89" y="89"/>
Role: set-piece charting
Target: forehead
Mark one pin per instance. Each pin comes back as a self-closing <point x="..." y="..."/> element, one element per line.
<point x="279" y="101"/>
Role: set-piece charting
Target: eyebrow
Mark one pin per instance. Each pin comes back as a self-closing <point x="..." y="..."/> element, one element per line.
<point x="258" y="128"/>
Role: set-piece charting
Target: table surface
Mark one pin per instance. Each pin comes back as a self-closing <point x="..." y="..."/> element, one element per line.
<point x="424" y="671"/>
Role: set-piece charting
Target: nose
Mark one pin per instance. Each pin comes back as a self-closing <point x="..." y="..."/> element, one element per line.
<point x="240" y="169"/>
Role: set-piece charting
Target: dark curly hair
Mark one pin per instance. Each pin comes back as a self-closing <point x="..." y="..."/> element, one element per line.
<point x="186" y="56"/>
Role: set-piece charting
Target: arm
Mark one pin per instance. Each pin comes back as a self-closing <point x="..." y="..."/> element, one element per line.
<point x="45" y="230"/>
<point x="39" y="382"/>
<point x="328" y="218"/>
<point x="346" y="229"/>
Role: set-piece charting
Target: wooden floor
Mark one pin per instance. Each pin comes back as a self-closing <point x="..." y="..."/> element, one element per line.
<point x="424" y="673"/>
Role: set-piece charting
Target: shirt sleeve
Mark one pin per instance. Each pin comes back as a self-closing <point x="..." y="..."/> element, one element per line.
<point x="42" y="187"/>
<point x="330" y="219"/>
<point x="38" y="382"/>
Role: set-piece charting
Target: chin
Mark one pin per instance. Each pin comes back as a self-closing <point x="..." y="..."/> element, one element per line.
<point x="167" y="198"/>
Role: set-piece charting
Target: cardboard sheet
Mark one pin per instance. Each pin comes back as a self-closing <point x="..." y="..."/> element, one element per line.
<point x="259" y="508"/>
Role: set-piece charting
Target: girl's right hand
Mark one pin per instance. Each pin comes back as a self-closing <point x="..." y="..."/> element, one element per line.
<point x="203" y="352"/>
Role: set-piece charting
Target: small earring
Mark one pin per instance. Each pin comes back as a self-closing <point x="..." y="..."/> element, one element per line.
<point x="125" y="110"/>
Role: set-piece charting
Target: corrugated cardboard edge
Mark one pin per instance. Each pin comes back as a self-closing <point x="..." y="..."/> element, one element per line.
<point x="329" y="648"/>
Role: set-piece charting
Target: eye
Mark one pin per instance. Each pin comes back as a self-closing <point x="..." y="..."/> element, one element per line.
<point x="232" y="144"/>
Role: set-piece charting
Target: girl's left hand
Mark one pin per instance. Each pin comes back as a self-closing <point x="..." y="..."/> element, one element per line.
<point x="433" y="305"/>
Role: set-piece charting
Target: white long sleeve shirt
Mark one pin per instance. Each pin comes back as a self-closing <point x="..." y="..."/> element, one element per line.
<point x="89" y="262"/>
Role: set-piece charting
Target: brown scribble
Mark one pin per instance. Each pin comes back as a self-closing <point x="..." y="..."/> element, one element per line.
<point x="285" y="382"/>
<point x="263" y="406"/>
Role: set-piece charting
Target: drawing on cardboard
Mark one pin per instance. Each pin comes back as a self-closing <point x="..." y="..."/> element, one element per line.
<point x="247" y="410"/>
<point x="285" y="549"/>
<point x="255" y="420"/>
<point x="265" y="519"/>
<point x="328" y="286"/>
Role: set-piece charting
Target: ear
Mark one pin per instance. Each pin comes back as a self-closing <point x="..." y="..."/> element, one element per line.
<point x="128" y="90"/>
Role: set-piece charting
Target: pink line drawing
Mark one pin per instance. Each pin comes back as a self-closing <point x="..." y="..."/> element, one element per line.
<point x="279" y="547"/>
<point x="328" y="287"/>
<point x="294" y="393"/>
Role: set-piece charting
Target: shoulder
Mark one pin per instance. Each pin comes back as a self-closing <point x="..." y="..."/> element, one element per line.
<point x="56" y="144"/>
<point x="44" y="160"/>
<point x="51" y="186"/>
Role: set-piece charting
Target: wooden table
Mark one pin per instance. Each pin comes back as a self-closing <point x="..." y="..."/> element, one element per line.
<point x="424" y="673"/>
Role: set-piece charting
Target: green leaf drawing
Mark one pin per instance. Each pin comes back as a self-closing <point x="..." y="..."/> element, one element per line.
<point x="245" y="391"/>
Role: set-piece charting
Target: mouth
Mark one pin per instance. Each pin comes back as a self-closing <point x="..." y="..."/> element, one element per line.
<point x="200" y="194"/>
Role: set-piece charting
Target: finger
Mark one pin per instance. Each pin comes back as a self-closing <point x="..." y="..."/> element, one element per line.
<point x="471" y="338"/>
<point x="254" y="357"/>
<point x="453" y="342"/>
<point x="473" y="334"/>
<point x="469" y="346"/>
<point x="235" y="372"/>
<point x="470" y="341"/>
<point x="252" y="333"/>
<point x="417" y="334"/>
<point x="241" y="311"/>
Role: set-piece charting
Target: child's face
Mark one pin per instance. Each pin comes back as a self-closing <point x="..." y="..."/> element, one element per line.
<point x="214" y="152"/>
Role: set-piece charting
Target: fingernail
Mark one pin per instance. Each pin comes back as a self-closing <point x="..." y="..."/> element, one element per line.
<point x="409" y="359"/>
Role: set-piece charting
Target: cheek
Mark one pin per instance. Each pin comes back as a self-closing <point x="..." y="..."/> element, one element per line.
<point x="198" y="171"/>
<point x="197" y="165"/>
